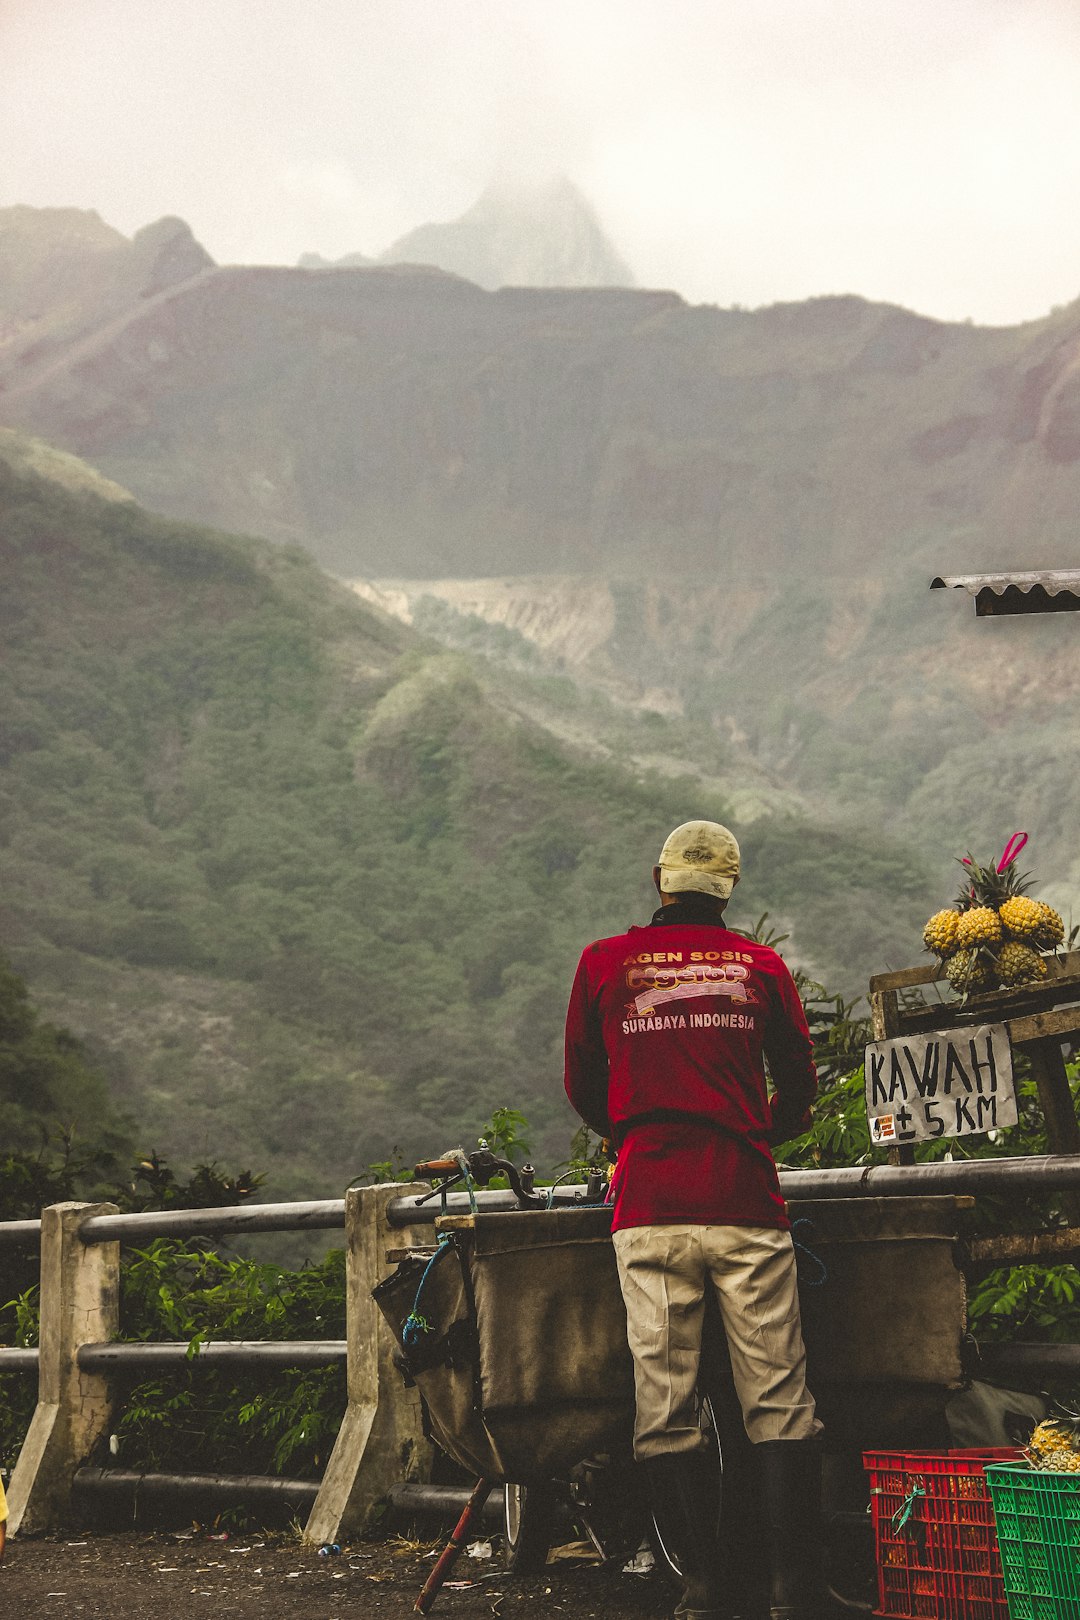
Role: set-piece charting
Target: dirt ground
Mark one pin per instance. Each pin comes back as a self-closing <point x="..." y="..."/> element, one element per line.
<point x="184" y="1575"/>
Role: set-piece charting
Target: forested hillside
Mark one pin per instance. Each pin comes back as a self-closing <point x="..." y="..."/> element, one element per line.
<point x="308" y="884"/>
<point x="873" y="700"/>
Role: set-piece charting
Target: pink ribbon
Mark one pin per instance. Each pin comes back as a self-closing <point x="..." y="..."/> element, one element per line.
<point x="1012" y="850"/>
<point x="1008" y="854"/>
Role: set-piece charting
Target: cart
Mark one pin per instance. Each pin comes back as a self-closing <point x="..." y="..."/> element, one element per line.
<point x="513" y="1329"/>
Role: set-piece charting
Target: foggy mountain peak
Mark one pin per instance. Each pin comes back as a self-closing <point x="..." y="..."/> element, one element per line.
<point x="519" y="234"/>
<point x="348" y="261"/>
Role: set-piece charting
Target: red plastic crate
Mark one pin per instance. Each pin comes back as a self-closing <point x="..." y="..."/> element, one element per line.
<point x="943" y="1563"/>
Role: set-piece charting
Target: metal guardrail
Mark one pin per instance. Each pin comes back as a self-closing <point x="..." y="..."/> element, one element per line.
<point x="19" y="1234"/>
<point x="19" y="1360"/>
<point x="997" y="1360"/>
<point x="323" y="1214"/>
<point x="224" y="1352"/>
<point x="443" y="1501"/>
<point x="314" y="1215"/>
<point x="1044" y="1173"/>
<point x="163" y="1353"/>
<point x="224" y="1488"/>
<point x="1030" y="1360"/>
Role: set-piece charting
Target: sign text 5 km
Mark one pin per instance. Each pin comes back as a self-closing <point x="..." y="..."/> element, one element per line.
<point x="956" y="1082"/>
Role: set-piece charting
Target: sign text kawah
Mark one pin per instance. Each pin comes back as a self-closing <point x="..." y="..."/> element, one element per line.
<point x="956" y="1082"/>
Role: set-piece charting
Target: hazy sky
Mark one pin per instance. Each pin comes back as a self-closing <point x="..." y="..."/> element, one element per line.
<point x="741" y="151"/>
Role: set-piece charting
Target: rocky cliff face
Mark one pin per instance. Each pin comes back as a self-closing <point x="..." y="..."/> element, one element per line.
<point x="64" y="273"/>
<point x="403" y="422"/>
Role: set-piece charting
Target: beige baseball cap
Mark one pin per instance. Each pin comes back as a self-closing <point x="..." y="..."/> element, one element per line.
<point x="700" y="855"/>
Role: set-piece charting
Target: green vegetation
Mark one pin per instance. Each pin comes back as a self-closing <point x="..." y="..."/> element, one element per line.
<point x="1033" y="1303"/>
<point x="170" y="1290"/>
<point x="309" y="887"/>
<point x="278" y="1423"/>
<point x="305" y="889"/>
<point x="903" y="728"/>
<point x="48" y="1088"/>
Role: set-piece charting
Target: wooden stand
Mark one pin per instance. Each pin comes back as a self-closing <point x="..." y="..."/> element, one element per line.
<point x="1038" y="1017"/>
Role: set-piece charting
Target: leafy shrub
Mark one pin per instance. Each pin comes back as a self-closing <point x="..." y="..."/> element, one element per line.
<point x="276" y="1421"/>
<point x="1035" y="1303"/>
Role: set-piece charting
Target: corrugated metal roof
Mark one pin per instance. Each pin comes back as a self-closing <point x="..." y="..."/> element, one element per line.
<point x="1046" y="590"/>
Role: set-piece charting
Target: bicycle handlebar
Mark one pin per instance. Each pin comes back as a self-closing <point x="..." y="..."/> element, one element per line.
<point x="480" y="1166"/>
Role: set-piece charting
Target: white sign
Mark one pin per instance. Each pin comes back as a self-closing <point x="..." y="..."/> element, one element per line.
<point x="957" y="1082"/>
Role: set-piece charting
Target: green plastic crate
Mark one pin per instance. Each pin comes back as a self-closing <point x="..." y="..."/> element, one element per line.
<point x="1038" y="1527"/>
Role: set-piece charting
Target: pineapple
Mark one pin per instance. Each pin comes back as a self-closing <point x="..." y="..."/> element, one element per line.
<point x="1051" y="930"/>
<point x="1019" y="964"/>
<point x="1055" y="1446"/>
<point x="968" y="972"/>
<point x="995" y="931"/>
<point x="939" y="935"/>
<point x="979" y="926"/>
<point x="1022" y="917"/>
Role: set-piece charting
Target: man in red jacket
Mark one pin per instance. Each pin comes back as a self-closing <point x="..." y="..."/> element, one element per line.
<point x="666" y="1033"/>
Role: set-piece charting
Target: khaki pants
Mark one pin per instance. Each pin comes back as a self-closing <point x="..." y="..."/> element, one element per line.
<point x="664" y="1272"/>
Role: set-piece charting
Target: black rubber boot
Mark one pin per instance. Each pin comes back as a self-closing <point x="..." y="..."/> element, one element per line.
<point x="743" y="1562"/>
<point x="791" y="1483"/>
<point x="684" y="1494"/>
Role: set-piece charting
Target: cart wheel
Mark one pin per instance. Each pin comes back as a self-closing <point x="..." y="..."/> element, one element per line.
<point x="529" y="1516"/>
<point x="666" y="1558"/>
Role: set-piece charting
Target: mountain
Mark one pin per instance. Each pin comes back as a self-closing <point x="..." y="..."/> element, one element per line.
<point x="65" y="273"/>
<point x="404" y="422"/>
<point x="869" y="702"/>
<point x="722" y="520"/>
<point x="513" y="235"/>
<point x="308" y="884"/>
<point x="349" y="261"/>
<point x="520" y="236"/>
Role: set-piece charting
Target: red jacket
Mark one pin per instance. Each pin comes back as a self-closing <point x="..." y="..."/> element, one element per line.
<point x="665" y="1035"/>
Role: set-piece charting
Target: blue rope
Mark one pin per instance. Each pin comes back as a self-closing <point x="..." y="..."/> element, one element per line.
<point x="809" y="1282"/>
<point x="415" y="1326"/>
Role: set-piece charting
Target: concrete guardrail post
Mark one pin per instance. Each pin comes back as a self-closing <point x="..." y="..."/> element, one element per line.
<point x="80" y="1303"/>
<point x="381" y="1440"/>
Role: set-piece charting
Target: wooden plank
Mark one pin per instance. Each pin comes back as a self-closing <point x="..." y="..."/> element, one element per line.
<point x="1061" y="967"/>
<point x="1022" y="1248"/>
<point x="906" y="978"/>
<point x="885" y="1014"/>
<point x="1055" y="1099"/>
<point x="1027" y="1024"/>
<point x="994" y="1007"/>
<point x="1055" y="1096"/>
<point x="1060" y="1023"/>
<point x="949" y="1015"/>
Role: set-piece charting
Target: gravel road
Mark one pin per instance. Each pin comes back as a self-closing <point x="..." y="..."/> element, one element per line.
<point x="182" y="1576"/>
